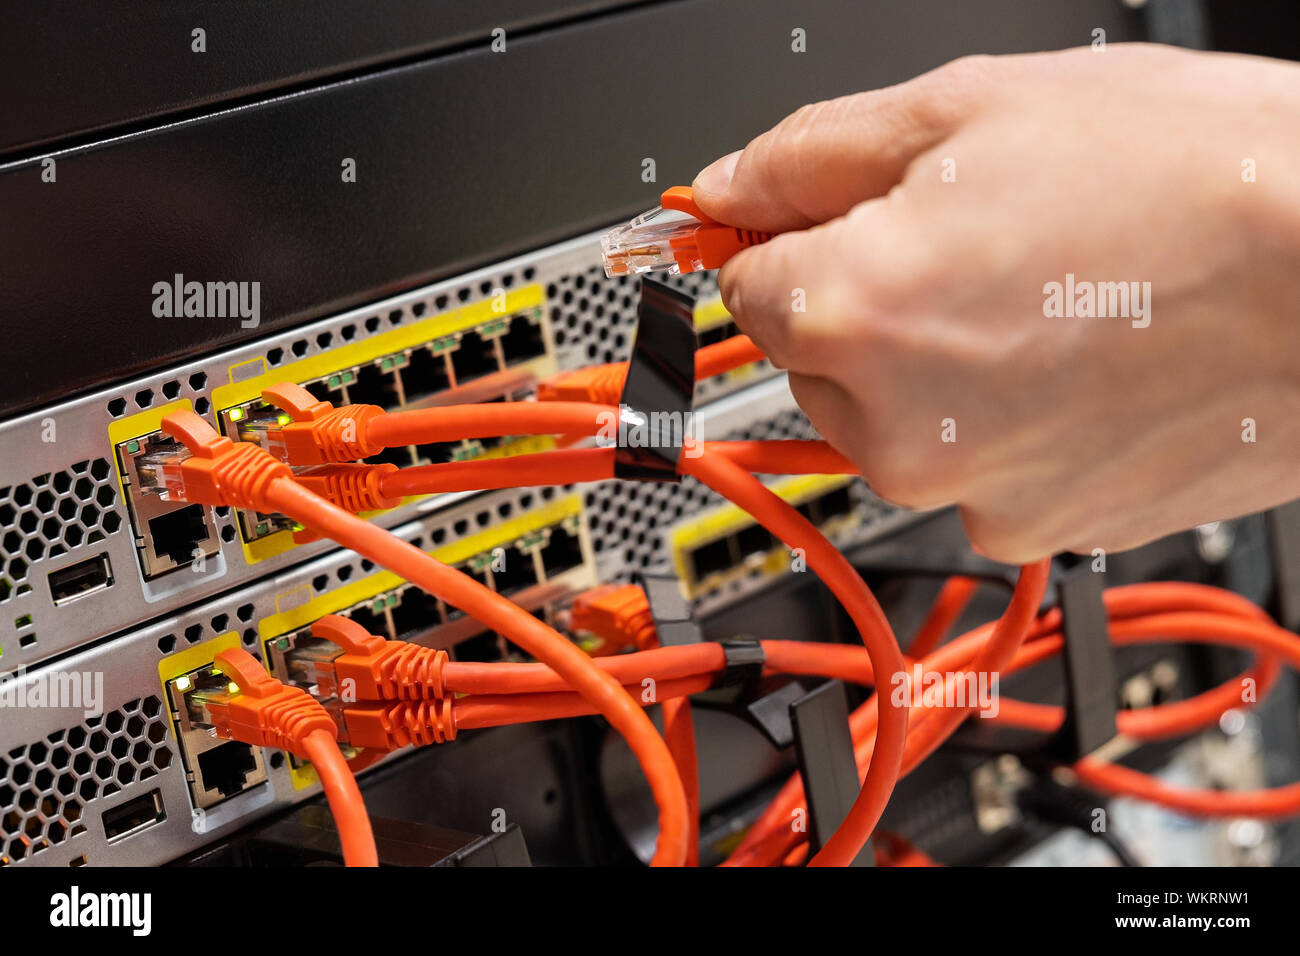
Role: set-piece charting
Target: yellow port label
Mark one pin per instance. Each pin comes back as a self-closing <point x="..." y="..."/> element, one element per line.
<point x="246" y="385"/>
<point x="192" y="658"/>
<point x="726" y="519"/>
<point x="259" y="549"/>
<point x="356" y="592"/>
<point x="710" y="313"/>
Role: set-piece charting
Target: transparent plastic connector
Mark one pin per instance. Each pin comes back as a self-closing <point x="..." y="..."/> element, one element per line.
<point x="655" y="241"/>
<point x="158" y="469"/>
<point x="254" y="425"/>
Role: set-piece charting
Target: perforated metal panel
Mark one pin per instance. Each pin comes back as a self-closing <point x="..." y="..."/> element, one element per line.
<point x="47" y="786"/>
<point x="46" y="516"/>
<point x="594" y="317"/>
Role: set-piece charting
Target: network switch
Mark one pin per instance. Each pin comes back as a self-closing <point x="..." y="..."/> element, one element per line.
<point x="73" y="494"/>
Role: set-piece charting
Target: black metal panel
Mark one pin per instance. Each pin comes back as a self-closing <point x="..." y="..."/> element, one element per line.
<point x="75" y="66"/>
<point x="460" y="160"/>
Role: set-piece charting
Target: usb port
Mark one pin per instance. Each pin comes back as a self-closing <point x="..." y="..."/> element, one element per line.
<point x="128" y="819"/>
<point x="76" y="580"/>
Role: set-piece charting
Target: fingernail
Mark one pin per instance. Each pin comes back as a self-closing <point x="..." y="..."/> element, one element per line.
<point x="716" y="177"/>
<point x="729" y="290"/>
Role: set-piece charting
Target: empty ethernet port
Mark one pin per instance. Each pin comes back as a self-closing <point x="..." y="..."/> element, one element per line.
<point x="474" y="357"/>
<point x="226" y="768"/>
<point x="415" y="614"/>
<point x="374" y="386"/>
<point x="713" y="335"/>
<point x="711" y="558"/>
<point x="514" y="571"/>
<point x="372" y="620"/>
<point x="436" y="453"/>
<point x="425" y="374"/>
<point x="485" y="648"/>
<point x="835" y="504"/>
<point x="181" y="535"/>
<point x="563" y="552"/>
<point x="755" y="540"/>
<point x="524" y="341"/>
<point x="399" y="456"/>
<point x="323" y="392"/>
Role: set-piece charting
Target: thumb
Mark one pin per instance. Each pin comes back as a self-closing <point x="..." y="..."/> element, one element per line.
<point x="823" y="159"/>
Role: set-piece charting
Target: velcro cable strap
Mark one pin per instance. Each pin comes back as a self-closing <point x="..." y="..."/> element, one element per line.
<point x="659" y="393"/>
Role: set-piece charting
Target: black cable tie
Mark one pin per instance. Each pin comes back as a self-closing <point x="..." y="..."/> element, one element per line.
<point x="745" y="661"/>
<point x="674" y="622"/>
<point x="655" y="409"/>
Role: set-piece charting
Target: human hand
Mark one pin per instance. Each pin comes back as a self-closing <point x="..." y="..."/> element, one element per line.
<point x="921" y="227"/>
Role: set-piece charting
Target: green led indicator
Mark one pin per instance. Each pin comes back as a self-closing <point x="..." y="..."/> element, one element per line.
<point x="132" y="446"/>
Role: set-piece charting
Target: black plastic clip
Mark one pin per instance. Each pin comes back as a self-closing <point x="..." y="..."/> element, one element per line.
<point x="764" y="705"/>
<point x="655" y="409"/>
<point x="824" y="746"/>
<point x="1283" y="524"/>
<point x="1089" y="668"/>
<point x="674" y="622"/>
<point x="745" y="661"/>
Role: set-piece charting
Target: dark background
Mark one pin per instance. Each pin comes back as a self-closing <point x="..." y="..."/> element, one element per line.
<point x="225" y="165"/>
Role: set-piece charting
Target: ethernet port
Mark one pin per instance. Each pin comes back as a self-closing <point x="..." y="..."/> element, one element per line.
<point x="177" y="535"/>
<point x="711" y="558"/>
<point x="755" y="540"/>
<point x="517" y="571"/>
<point x="713" y="335"/>
<point x="215" y="769"/>
<point x="322" y="392"/>
<point x="835" y="504"/>
<point x="485" y="648"/>
<point x="563" y="552"/>
<point x="415" y="614"/>
<point x="524" y="341"/>
<point x="226" y="768"/>
<point x="436" y="453"/>
<point x="425" y="374"/>
<point x="374" y="386"/>
<point x="168" y="536"/>
<point x="399" y="456"/>
<point x="474" y="357"/>
<point x="367" y="617"/>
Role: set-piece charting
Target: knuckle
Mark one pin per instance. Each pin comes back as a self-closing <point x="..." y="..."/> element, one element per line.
<point x="974" y="68"/>
<point x="903" y="477"/>
<point x="1000" y="540"/>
